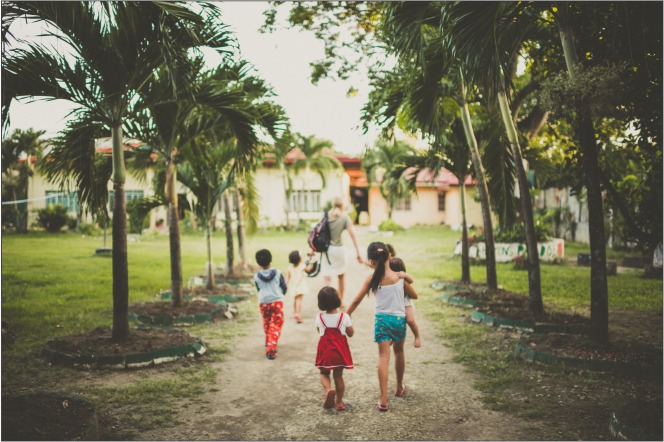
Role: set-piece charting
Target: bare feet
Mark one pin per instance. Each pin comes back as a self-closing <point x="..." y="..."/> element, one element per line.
<point x="329" y="399"/>
<point x="418" y="342"/>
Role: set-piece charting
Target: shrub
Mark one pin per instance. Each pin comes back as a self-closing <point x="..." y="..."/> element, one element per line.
<point x="53" y="218"/>
<point x="88" y="229"/>
<point x="389" y="225"/>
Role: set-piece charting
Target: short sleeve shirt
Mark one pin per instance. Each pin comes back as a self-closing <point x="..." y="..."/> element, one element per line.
<point x="331" y="321"/>
<point x="337" y="226"/>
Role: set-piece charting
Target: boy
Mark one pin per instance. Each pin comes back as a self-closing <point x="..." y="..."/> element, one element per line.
<point x="271" y="291"/>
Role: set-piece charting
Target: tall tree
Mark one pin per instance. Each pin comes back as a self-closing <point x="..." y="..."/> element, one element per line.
<point x="415" y="33"/>
<point x="115" y="47"/>
<point x="489" y="36"/>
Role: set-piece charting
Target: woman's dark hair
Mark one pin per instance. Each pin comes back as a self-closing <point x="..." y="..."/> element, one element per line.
<point x="390" y="249"/>
<point x="294" y="257"/>
<point x="377" y="251"/>
<point x="328" y="299"/>
<point x="263" y="257"/>
<point x="397" y="265"/>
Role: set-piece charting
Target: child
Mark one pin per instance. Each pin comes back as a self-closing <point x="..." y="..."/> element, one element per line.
<point x="297" y="282"/>
<point x="390" y="321"/>
<point x="398" y="266"/>
<point x="333" y="352"/>
<point x="271" y="291"/>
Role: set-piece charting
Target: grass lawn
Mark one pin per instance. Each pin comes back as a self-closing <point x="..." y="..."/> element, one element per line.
<point x="54" y="285"/>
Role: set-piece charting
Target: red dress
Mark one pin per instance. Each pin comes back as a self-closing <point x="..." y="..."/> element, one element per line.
<point x="333" y="350"/>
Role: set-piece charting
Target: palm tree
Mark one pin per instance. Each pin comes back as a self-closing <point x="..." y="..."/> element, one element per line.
<point x="166" y="125"/>
<point x="316" y="158"/>
<point x="205" y="174"/>
<point x="448" y="151"/>
<point x="116" y="46"/>
<point x="378" y="162"/>
<point x="415" y="33"/>
<point x="18" y="151"/>
<point x="489" y="36"/>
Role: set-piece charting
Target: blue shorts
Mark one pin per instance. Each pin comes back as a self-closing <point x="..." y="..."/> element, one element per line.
<point x="389" y="328"/>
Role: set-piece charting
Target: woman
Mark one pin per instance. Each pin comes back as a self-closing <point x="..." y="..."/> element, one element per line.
<point x="338" y="221"/>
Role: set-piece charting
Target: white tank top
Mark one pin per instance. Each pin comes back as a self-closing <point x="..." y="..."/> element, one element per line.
<point x="390" y="300"/>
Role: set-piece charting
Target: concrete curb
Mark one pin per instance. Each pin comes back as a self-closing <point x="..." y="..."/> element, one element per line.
<point x="221" y="299"/>
<point x="532" y="355"/>
<point x="133" y="360"/>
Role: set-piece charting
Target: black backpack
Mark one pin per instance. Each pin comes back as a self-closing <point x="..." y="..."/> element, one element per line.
<point x="320" y="237"/>
<point x="319" y="241"/>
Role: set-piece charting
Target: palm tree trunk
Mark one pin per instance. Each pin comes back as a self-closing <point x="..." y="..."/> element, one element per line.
<point x="210" y="270"/>
<point x="491" y="275"/>
<point x="534" y="285"/>
<point x="241" y="235"/>
<point x="465" y="260"/>
<point x="585" y="131"/>
<point x="120" y="331"/>
<point x="174" y="235"/>
<point x="229" y="235"/>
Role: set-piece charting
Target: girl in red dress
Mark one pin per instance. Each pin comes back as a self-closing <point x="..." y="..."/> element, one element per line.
<point x="333" y="352"/>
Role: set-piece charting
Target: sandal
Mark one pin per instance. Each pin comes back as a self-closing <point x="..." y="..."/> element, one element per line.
<point x="329" y="399"/>
<point x="382" y="407"/>
<point x="403" y="391"/>
<point x="340" y="407"/>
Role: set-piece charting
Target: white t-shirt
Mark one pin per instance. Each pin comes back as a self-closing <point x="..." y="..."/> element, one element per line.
<point x="331" y="320"/>
<point x="390" y="299"/>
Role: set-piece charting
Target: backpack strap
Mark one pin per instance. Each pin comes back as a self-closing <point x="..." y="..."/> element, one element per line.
<point x="321" y="320"/>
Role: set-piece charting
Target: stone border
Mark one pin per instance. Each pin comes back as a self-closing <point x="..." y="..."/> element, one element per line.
<point x="221" y="299"/>
<point x="524" y="325"/>
<point x="132" y="360"/>
<point x="590" y="364"/>
<point x="168" y="320"/>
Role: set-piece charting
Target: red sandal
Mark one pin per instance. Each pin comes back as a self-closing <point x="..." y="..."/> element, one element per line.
<point x="382" y="407"/>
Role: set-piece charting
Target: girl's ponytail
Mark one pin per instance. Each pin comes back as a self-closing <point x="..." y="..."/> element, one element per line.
<point x="377" y="251"/>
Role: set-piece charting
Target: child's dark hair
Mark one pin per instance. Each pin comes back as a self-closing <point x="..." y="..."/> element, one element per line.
<point x="294" y="257"/>
<point x="328" y="299"/>
<point x="263" y="257"/>
<point x="397" y="265"/>
<point x="390" y="249"/>
<point x="377" y="251"/>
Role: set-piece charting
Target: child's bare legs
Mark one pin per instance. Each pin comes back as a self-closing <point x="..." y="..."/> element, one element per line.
<point x="410" y="320"/>
<point x="399" y="364"/>
<point x="297" y="306"/>
<point x="383" y="368"/>
<point x="339" y="384"/>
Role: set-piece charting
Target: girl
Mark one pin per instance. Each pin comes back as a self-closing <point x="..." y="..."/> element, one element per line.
<point x="333" y="352"/>
<point x="390" y="322"/>
<point x="397" y="265"/>
<point x="296" y="282"/>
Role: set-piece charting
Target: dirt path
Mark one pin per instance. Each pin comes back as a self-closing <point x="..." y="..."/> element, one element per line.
<point x="259" y="399"/>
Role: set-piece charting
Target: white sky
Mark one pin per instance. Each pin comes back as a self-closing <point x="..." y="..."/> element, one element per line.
<point x="282" y="58"/>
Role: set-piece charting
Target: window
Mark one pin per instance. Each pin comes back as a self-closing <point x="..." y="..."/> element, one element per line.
<point x="67" y="199"/>
<point x="130" y="195"/>
<point x="404" y="203"/>
<point x="304" y="201"/>
<point x="441" y="201"/>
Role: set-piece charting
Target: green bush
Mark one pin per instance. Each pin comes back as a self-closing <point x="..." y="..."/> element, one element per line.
<point x="53" y="218"/>
<point x="88" y="229"/>
<point x="389" y="225"/>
